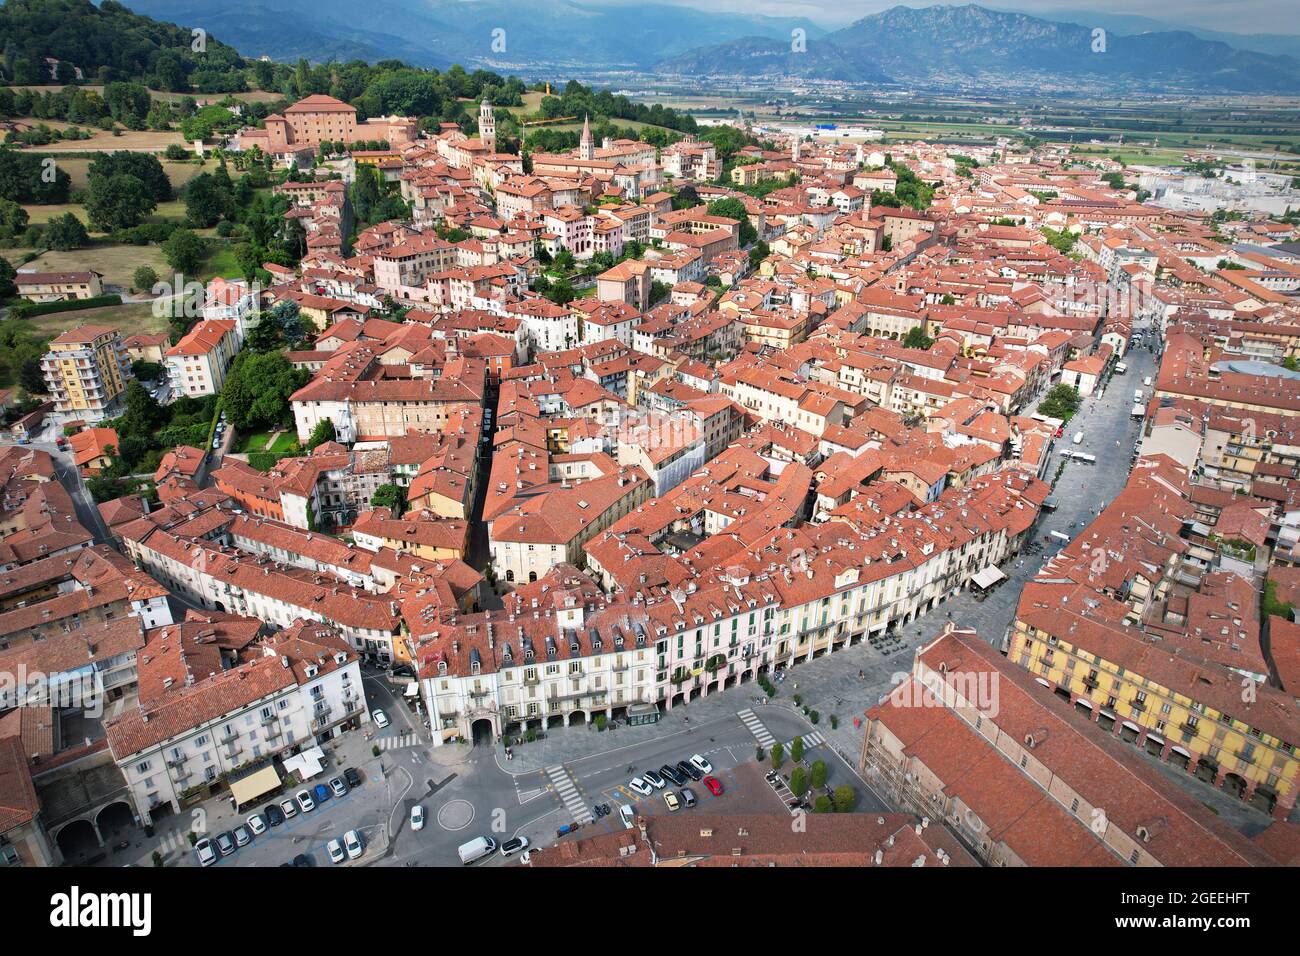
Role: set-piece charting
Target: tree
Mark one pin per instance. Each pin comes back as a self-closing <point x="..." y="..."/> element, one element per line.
<point x="146" y="371"/>
<point x="822" y="804"/>
<point x="323" y="432"/>
<point x="818" y="774"/>
<point x="560" y="292"/>
<point x="65" y="232"/>
<point x="32" y="376"/>
<point x="796" y="750"/>
<point x="8" y="289"/>
<point x="392" y="497"/>
<point x="732" y="208"/>
<point x="258" y="387"/>
<point x="13" y="219"/>
<point x="845" y="799"/>
<point x="205" y="201"/>
<point x="118" y="202"/>
<point x="184" y="251"/>
<point x="1061" y="402"/>
<point x="144" y="167"/>
<point x="144" y="278"/>
<point x="686" y="198"/>
<point x="917" y="339"/>
<point x="778" y="755"/>
<point x="798" y="781"/>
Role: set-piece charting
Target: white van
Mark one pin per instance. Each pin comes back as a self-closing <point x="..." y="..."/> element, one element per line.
<point x="1147" y="381"/>
<point x="476" y="849"/>
<point x="1138" y="395"/>
<point x="1078" y="438"/>
<point x="1120" y="368"/>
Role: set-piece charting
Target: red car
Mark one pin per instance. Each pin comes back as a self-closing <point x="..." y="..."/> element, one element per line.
<point x="715" y="788"/>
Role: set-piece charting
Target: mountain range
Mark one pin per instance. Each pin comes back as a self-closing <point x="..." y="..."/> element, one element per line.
<point x="965" y="45"/>
<point x="441" y="32"/>
<point x="939" y="46"/>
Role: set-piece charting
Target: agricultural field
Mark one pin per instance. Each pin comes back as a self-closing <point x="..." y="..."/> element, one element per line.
<point x="117" y="263"/>
<point x="131" y="317"/>
<point x="78" y="169"/>
<point x="144" y="141"/>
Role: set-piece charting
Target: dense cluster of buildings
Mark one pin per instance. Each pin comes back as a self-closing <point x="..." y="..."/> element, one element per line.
<point x="703" y="468"/>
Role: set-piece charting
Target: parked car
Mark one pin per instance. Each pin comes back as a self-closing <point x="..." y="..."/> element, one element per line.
<point x="335" y="848"/>
<point x="702" y="764"/>
<point x="242" y="836"/>
<point x="305" y="802"/>
<point x="274" y="815"/>
<point x="672" y="775"/>
<point x="417" y="817"/>
<point x="514" y="845"/>
<point x="302" y="859"/>
<point x="353" y="778"/>
<point x="670" y="798"/>
<point x="380" y="718"/>
<point x="207" y="851"/>
<point x="654" y="779"/>
<point x="475" y="849"/>
<point x="714" y="786"/>
<point x="322" y="793"/>
<point x="640" y="786"/>
<point x="226" y="843"/>
<point x="339" y="787"/>
<point x="690" y="770"/>
<point x="352" y="842"/>
<point x="256" y="824"/>
<point x="688" y="795"/>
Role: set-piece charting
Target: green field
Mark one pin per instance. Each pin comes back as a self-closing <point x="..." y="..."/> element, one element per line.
<point x="117" y="263"/>
<point x="130" y="317"/>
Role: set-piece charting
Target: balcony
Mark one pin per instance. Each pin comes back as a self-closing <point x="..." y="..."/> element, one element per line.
<point x="1091" y="683"/>
<point x="1188" y="727"/>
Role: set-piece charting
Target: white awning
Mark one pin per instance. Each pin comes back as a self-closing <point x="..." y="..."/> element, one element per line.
<point x="307" y="764"/>
<point x="412" y="689"/>
<point x="988" y="577"/>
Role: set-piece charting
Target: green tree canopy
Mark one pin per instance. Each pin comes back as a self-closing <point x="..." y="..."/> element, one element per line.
<point x="257" y="389"/>
<point x="390" y="496"/>
<point x="117" y="202"/>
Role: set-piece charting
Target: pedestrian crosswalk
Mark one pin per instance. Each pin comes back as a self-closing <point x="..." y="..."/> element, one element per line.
<point x="568" y="793"/>
<point x="398" y="742"/>
<point x="809" y="741"/>
<point x="755" y="727"/>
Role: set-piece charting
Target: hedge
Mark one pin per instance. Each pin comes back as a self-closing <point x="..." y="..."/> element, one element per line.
<point x="26" y="310"/>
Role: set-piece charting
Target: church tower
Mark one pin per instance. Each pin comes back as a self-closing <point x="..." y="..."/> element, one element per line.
<point x="487" y="126"/>
<point x="586" y="146"/>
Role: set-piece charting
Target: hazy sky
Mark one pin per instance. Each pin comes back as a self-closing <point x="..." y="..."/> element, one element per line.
<point x="1234" y="16"/>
